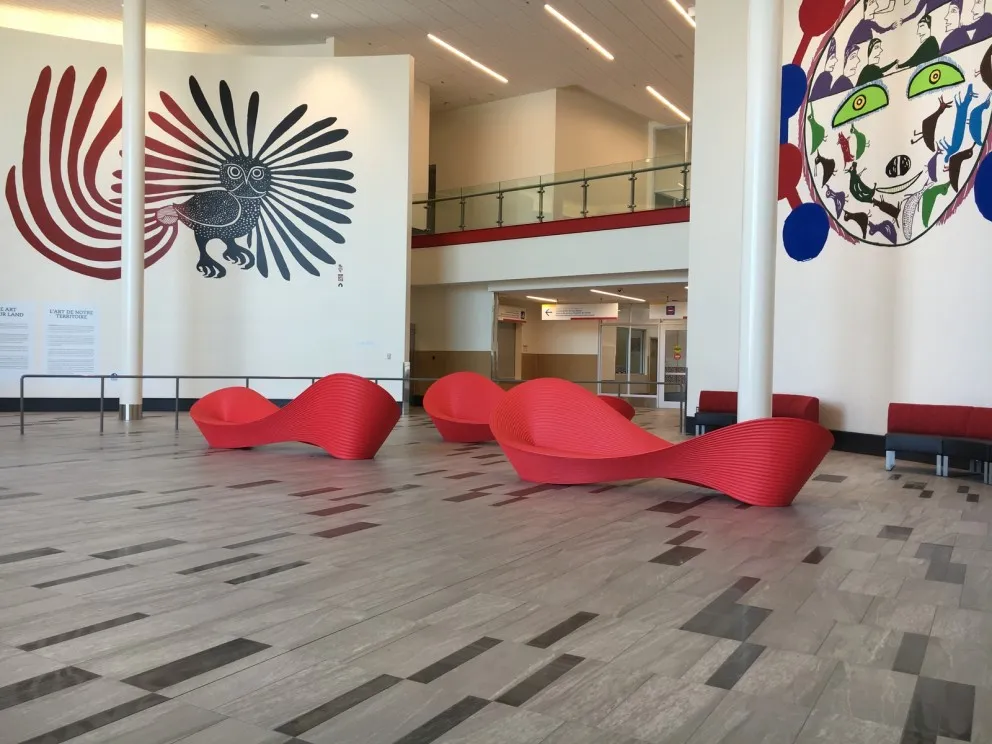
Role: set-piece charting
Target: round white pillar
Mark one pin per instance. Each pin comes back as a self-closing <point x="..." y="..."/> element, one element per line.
<point x="760" y="228"/>
<point x="133" y="209"/>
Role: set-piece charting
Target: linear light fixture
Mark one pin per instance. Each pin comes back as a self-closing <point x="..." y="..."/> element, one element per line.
<point x="612" y="294"/>
<point x="679" y="112"/>
<point x="578" y="31"/>
<point x="682" y="12"/>
<point x="542" y="299"/>
<point x="459" y="53"/>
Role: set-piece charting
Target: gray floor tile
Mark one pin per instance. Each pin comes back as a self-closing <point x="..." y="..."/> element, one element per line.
<point x="743" y="719"/>
<point x="868" y="694"/>
<point x="664" y="710"/>
<point x="787" y="676"/>
<point x="824" y="728"/>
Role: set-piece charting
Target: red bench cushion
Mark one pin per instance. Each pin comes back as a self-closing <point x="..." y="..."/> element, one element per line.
<point x="914" y="418"/>
<point x="796" y="406"/>
<point x="980" y="424"/>
<point x="717" y="401"/>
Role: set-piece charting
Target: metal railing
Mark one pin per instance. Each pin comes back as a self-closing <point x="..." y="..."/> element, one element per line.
<point x="406" y="380"/>
<point x="664" y="186"/>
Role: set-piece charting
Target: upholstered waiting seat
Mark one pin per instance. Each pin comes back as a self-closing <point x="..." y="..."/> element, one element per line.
<point x="349" y="417"/>
<point x="554" y="431"/>
<point x="460" y="405"/>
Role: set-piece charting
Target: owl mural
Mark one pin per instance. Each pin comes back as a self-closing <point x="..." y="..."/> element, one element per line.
<point x="269" y="204"/>
<point x="892" y="117"/>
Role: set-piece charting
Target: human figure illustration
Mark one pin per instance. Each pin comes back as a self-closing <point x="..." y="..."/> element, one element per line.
<point x="822" y="86"/>
<point x="852" y="61"/>
<point x="929" y="48"/>
<point x="928" y="130"/>
<point x="873" y="71"/>
<point x="867" y="27"/>
<point x="981" y="22"/>
<point x="957" y="36"/>
<point x="926" y="7"/>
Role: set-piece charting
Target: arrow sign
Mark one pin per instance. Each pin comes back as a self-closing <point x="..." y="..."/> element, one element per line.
<point x="548" y="312"/>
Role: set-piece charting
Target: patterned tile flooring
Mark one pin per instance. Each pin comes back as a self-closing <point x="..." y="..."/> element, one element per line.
<point x="153" y="591"/>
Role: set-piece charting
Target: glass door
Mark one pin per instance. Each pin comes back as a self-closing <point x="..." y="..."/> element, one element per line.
<point x="629" y="362"/>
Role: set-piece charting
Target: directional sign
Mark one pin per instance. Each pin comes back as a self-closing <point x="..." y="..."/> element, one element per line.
<point x="594" y="311"/>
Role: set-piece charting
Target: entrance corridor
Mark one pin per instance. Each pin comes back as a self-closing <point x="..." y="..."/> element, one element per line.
<point x="154" y="591"/>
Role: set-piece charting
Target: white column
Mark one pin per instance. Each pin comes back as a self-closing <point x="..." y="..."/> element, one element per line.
<point x="133" y="207"/>
<point x="764" y="94"/>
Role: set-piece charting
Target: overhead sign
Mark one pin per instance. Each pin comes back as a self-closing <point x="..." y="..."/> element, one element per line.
<point x="595" y="311"/>
<point x="669" y="311"/>
<point x="512" y="314"/>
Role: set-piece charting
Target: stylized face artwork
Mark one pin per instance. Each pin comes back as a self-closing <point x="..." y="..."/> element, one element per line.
<point x="891" y="154"/>
<point x="245" y="178"/>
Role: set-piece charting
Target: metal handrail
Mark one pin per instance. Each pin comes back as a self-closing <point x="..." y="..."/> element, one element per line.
<point x="564" y="182"/>
<point x="406" y="380"/>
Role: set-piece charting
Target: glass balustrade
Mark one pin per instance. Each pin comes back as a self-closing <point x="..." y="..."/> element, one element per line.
<point x="610" y="189"/>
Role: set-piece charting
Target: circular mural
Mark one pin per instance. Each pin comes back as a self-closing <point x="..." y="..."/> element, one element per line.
<point x="895" y="117"/>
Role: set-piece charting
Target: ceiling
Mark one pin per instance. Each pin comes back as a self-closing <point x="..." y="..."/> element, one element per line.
<point x="651" y="43"/>
<point x="653" y="293"/>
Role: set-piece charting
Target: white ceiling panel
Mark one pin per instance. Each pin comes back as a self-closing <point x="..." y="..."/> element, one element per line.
<point x="652" y="44"/>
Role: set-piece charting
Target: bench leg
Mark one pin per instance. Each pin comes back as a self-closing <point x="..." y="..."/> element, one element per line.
<point x="943" y="465"/>
<point x="890" y="459"/>
<point x="987" y="472"/>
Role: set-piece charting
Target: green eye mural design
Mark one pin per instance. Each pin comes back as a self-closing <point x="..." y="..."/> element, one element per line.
<point x="933" y="77"/>
<point x="860" y="103"/>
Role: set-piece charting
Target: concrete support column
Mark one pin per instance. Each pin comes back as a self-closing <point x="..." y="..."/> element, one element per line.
<point x="764" y="94"/>
<point x="133" y="207"/>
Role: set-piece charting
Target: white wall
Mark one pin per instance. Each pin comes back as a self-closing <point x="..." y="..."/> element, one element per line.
<point x="561" y="337"/>
<point x="860" y="325"/>
<point x="490" y="142"/>
<point x="458" y="318"/>
<point x="591" y="131"/>
<point x="421" y="138"/>
<point x="636" y="250"/>
<point x="243" y="323"/>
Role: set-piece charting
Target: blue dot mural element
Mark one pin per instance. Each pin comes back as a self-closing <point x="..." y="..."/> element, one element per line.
<point x="805" y="232"/>
<point x="793" y="93"/>
<point x="983" y="188"/>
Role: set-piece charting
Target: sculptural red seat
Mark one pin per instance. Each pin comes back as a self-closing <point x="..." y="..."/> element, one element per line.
<point x="460" y="405"/>
<point x="347" y="416"/>
<point x="554" y="431"/>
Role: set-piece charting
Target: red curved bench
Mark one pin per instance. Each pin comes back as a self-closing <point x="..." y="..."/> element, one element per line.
<point x="554" y="431"/>
<point x="619" y="405"/>
<point x="460" y="405"/>
<point x="347" y="416"/>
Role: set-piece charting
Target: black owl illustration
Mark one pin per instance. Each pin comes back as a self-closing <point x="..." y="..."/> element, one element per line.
<point x="266" y="198"/>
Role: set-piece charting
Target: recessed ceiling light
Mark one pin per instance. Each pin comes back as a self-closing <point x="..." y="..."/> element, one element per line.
<point x="682" y="12"/>
<point x="679" y="112"/>
<point x="315" y="16"/>
<point x="459" y="53"/>
<point x="613" y="294"/>
<point x="542" y="299"/>
<point x="585" y="37"/>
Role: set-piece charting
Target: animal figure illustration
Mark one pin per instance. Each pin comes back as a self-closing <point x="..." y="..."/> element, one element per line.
<point x="962" y="104"/>
<point x="861" y="143"/>
<point x="977" y="117"/>
<point x="929" y="127"/>
<point x="845" y="149"/>
<point x="269" y="203"/>
<point x="957" y="162"/>
<point x="858" y="218"/>
<point x="886" y="229"/>
<point x="859" y="189"/>
<point x="839" y="198"/>
<point x="890" y="209"/>
<point x="828" y="165"/>
<point x="817" y="134"/>
<point x="930" y="197"/>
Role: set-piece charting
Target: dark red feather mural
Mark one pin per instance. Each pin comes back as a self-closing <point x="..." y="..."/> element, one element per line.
<point x="270" y="207"/>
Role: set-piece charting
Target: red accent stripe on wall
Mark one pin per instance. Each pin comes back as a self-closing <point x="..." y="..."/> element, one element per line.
<point x="668" y="216"/>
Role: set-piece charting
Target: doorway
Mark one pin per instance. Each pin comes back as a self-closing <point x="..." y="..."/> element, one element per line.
<point x="506" y="350"/>
<point x="629" y="363"/>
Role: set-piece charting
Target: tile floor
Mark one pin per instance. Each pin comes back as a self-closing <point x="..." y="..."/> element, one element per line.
<point x="152" y="591"/>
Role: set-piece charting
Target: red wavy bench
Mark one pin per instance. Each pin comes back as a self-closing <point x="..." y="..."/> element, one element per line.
<point x="460" y="405"/>
<point x="347" y="416"/>
<point x="556" y="432"/>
